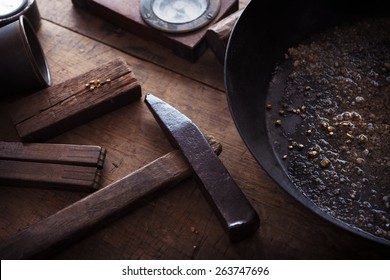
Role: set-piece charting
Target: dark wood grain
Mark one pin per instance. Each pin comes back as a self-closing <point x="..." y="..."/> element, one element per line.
<point x="69" y="167"/>
<point x="79" y="155"/>
<point x="48" y="175"/>
<point x="61" y="107"/>
<point x="76" y="219"/>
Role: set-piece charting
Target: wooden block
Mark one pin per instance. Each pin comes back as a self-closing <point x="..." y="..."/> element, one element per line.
<point x="70" y="167"/>
<point x="79" y="155"/>
<point x="126" y="14"/>
<point x="56" y="109"/>
<point x="219" y="33"/>
<point x="48" y="175"/>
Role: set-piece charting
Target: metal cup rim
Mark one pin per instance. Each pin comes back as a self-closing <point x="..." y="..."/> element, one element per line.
<point x="37" y="57"/>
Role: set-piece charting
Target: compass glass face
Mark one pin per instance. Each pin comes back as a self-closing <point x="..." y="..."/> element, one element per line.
<point x="11" y="7"/>
<point x="179" y="11"/>
<point x="179" y="16"/>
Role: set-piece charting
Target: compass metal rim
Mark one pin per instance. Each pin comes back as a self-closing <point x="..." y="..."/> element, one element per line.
<point x="150" y="17"/>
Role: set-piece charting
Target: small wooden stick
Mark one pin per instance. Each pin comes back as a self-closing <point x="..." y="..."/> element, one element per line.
<point x="49" y="175"/>
<point x="69" y="167"/>
<point x="80" y="155"/>
<point x="75" y="220"/>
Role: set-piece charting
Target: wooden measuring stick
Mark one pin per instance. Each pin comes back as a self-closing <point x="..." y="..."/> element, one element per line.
<point x="70" y="167"/>
<point x="80" y="155"/>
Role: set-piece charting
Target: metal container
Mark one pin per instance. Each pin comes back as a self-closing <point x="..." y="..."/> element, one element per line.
<point x="11" y="10"/>
<point x="23" y="67"/>
<point x="260" y="38"/>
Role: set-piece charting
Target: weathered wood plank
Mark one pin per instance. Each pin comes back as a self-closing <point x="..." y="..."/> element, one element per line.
<point x="48" y="175"/>
<point x="56" y="109"/>
<point x="79" y="155"/>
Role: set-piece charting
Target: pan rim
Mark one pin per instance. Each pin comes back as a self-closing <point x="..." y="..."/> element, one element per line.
<point x="272" y="168"/>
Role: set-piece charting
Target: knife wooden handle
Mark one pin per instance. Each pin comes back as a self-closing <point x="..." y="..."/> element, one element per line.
<point x="77" y="219"/>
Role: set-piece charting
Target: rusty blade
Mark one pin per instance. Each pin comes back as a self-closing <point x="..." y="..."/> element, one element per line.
<point x="232" y="207"/>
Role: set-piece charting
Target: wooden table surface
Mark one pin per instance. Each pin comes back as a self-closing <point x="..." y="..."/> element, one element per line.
<point x="177" y="223"/>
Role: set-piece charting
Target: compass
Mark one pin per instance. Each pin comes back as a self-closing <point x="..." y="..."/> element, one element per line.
<point x="179" y="25"/>
<point x="179" y="16"/>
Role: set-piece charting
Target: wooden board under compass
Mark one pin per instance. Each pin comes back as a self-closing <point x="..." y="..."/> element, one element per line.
<point x="126" y="15"/>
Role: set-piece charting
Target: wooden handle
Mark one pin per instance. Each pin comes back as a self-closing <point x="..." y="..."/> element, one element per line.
<point x="75" y="220"/>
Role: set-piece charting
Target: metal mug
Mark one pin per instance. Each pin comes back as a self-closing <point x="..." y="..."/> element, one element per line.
<point x="11" y="10"/>
<point x="23" y="65"/>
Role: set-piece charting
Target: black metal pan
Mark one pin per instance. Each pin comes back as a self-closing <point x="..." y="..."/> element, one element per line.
<point x="258" y="42"/>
